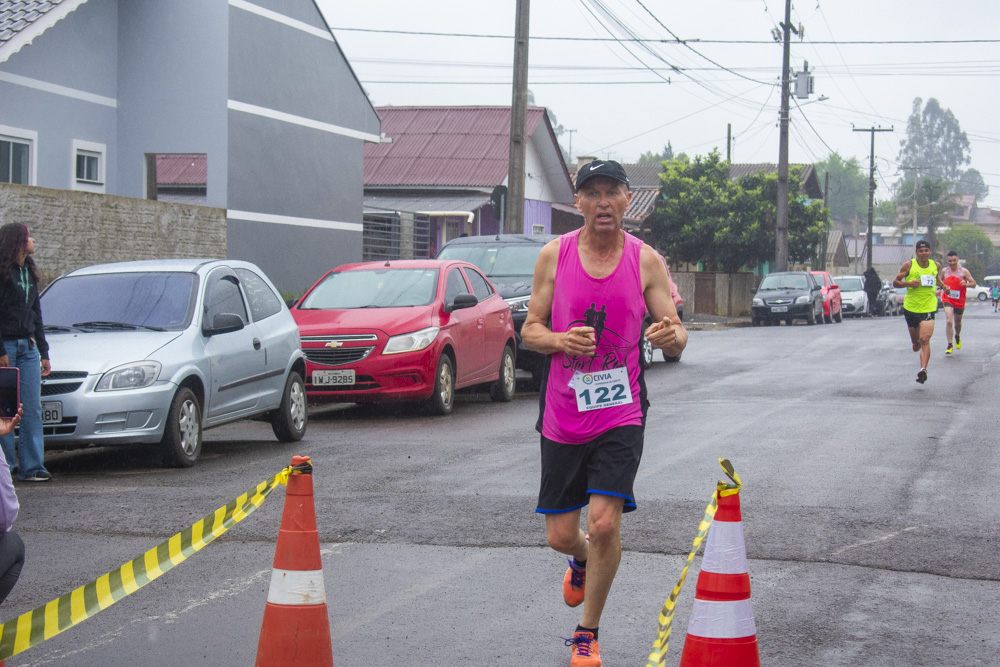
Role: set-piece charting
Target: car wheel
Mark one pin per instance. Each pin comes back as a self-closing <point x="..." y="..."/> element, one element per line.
<point x="645" y="352"/>
<point x="442" y="400"/>
<point x="827" y="319"/>
<point x="811" y="317"/>
<point x="290" y="419"/>
<point x="755" y="321"/>
<point x="788" y="321"/>
<point x="839" y="317"/>
<point x="502" y="391"/>
<point x="982" y="296"/>
<point x="182" y="434"/>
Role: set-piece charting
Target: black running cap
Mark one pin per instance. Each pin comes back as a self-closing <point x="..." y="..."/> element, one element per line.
<point x="608" y="168"/>
<point x="920" y="244"/>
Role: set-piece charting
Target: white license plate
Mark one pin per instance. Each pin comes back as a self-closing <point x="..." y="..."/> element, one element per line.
<point x="779" y="309"/>
<point x="321" y="378"/>
<point x="52" y="412"/>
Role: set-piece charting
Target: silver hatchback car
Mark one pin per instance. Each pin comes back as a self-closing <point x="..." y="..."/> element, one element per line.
<point x="156" y="351"/>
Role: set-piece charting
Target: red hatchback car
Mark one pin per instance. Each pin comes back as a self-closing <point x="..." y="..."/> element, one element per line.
<point x="831" y="296"/>
<point x="405" y="330"/>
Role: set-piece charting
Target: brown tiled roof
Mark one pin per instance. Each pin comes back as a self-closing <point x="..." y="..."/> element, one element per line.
<point x="443" y="146"/>
<point x="643" y="202"/>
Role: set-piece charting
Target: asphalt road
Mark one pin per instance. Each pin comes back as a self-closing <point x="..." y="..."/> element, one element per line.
<point x="868" y="504"/>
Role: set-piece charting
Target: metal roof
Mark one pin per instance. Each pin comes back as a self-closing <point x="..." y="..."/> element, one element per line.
<point x="450" y="146"/>
<point x="182" y="169"/>
<point x="21" y="21"/>
<point x="644" y="175"/>
<point x="427" y="203"/>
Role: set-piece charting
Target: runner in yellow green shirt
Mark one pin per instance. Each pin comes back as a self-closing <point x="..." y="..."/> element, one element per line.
<point x="920" y="277"/>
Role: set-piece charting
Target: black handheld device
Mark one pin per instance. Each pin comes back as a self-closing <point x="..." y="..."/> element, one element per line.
<point x="10" y="391"/>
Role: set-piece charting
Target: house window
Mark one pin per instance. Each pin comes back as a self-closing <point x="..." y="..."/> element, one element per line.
<point x="17" y="155"/>
<point x="89" y="160"/>
<point x="538" y="229"/>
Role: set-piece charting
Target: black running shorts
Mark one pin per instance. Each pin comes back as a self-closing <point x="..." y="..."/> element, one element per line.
<point x="606" y="465"/>
<point x="913" y="320"/>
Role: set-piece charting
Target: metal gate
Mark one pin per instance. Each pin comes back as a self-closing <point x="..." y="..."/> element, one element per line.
<point x="395" y="235"/>
<point x="704" y="293"/>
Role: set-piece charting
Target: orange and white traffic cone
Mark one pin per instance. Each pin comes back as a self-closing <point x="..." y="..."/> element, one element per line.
<point x="296" y="627"/>
<point x="722" y="630"/>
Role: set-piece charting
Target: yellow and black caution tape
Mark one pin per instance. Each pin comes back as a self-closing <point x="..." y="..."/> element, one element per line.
<point x="34" y="627"/>
<point x="658" y="657"/>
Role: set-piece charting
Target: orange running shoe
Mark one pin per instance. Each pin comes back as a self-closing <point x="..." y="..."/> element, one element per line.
<point x="586" y="652"/>
<point x="574" y="583"/>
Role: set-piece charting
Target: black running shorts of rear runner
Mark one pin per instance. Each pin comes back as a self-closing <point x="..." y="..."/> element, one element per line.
<point x="606" y="465"/>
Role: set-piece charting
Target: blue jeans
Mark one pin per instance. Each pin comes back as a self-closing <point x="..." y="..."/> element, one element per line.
<point x="30" y="445"/>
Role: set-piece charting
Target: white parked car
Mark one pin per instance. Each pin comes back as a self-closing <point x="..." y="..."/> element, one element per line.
<point x="155" y="351"/>
<point x="853" y="298"/>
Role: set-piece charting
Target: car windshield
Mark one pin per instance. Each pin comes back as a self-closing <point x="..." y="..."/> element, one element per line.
<point x="373" y="288"/>
<point x="508" y="260"/>
<point x="121" y="301"/>
<point x="787" y="281"/>
<point x="850" y="285"/>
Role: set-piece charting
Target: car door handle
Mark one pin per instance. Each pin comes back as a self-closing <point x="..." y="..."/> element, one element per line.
<point x="256" y="343"/>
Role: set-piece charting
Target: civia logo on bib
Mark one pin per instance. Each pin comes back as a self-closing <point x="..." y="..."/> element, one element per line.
<point x="587" y="378"/>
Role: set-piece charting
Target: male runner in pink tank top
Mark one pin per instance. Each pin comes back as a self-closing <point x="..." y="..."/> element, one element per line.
<point x="591" y="290"/>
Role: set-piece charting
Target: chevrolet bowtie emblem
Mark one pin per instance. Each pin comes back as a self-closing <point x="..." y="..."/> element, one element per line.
<point x="334" y="343"/>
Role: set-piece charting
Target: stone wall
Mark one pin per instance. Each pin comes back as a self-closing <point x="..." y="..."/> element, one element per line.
<point x="76" y="229"/>
<point x="733" y="292"/>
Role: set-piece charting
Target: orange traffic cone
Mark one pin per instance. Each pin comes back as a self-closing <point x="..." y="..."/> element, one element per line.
<point x="296" y="627"/>
<point x="721" y="630"/>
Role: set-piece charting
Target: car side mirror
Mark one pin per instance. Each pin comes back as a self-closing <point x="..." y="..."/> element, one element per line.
<point x="224" y="323"/>
<point x="461" y="301"/>
<point x="834" y="286"/>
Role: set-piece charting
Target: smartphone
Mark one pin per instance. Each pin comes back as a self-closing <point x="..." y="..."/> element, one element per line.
<point x="10" y="391"/>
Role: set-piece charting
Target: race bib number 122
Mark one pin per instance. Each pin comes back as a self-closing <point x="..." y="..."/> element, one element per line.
<point x="603" y="389"/>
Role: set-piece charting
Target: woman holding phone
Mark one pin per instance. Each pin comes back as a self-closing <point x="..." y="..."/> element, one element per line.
<point x="24" y="346"/>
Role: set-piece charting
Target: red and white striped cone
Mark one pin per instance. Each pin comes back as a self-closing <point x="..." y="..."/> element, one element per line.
<point x="722" y="630"/>
<point x="296" y="627"/>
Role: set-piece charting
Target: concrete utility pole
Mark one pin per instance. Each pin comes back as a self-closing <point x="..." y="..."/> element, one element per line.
<point x="781" y="222"/>
<point x="871" y="187"/>
<point x="916" y="184"/>
<point x="518" y="120"/>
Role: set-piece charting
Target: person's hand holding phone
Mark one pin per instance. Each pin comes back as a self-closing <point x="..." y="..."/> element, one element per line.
<point x="7" y="426"/>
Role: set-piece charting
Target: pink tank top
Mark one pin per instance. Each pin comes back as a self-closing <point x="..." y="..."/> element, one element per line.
<point x="615" y="307"/>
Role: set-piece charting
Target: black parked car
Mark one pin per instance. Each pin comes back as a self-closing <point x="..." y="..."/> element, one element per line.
<point x="787" y="295"/>
<point x="508" y="260"/>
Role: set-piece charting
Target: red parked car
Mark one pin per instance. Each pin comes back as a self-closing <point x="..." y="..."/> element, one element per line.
<point x="405" y="330"/>
<point x="831" y="297"/>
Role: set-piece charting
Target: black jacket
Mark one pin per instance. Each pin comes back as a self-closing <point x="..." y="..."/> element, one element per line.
<point x="20" y="315"/>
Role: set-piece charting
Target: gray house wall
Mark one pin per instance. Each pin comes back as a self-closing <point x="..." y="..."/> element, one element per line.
<point x="172" y="88"/>
<point x="177" y="76"/>
<point x="80" y="54"/>
<point x="294" y="179"/>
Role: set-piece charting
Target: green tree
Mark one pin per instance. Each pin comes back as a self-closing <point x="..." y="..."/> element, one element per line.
<point x="935" y="144"/>
<point x="934" y="203"/>
<point x="703" y="216"/>
<point x="885" y="213"/>
<point x="649" y="156"/>
<point x="971" y="183"/>
<point x="972" y="244"/>
<point x="848" y="185"/>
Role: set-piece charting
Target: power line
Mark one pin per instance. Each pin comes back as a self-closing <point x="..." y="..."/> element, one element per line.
<point x="427" y="33"/>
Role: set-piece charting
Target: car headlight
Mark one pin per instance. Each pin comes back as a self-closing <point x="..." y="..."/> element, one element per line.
<point x="130" y="376"/>
<point x="518" y="304"/>
<point x="805" y="298"/>
<point x="411" y="342"/>
<point x="758" y="302"/>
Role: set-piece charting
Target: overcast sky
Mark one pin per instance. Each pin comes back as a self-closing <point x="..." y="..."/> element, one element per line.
<point x="622" y="99"/>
